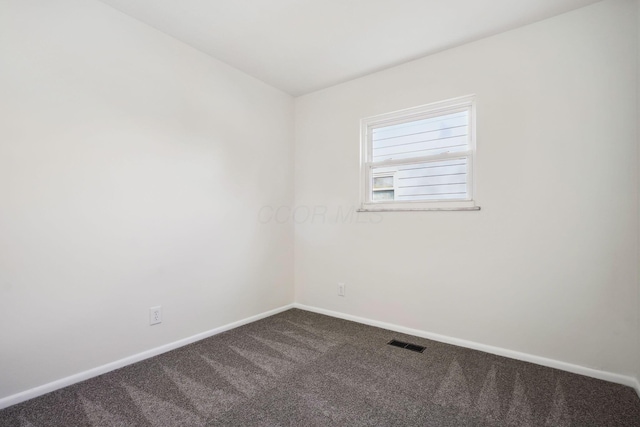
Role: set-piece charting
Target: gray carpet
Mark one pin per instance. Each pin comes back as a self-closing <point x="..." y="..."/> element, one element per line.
<point x="303" y="369"/>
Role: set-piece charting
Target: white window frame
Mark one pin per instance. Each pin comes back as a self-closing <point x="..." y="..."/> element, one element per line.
<point x="367" y="126"/>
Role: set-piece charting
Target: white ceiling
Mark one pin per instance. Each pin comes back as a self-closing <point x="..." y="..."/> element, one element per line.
<point x="301" y="46"/>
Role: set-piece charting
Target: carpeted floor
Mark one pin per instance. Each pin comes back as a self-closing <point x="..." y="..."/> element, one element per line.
<point x="303" y="369"/>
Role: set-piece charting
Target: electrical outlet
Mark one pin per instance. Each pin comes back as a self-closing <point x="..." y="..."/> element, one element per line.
<point x="155" y="315"/>
<point x="342" y="289"/>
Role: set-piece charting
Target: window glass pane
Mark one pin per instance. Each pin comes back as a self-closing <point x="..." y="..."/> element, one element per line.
<point x="383" y="182"/>
<point x="381" y="195"/>
<point x="428" y="181"/>
<point x="446" y="133"/>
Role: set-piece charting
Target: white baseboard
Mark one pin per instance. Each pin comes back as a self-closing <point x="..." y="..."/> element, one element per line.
<point x="94" y="372"/>
<point x="551" y="363"/>
<point x="82" y="376"/>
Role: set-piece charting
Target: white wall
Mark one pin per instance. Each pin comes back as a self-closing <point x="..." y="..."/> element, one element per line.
<point x="549" y="266"/>
<point x="132" y="171"/>
<point x="638" y="137"/>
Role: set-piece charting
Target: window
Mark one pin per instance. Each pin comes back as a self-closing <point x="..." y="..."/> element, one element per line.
<point x="420" y="158"/>
<point x="383" y="186"/>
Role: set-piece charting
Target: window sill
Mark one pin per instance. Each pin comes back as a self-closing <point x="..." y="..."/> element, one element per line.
<point x="467" y="205"/>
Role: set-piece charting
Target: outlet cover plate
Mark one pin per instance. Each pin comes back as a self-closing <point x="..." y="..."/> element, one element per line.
<point x="155" y="315"/>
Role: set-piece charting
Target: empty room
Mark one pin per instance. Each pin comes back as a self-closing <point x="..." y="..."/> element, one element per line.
<point x="319" y="213"/>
